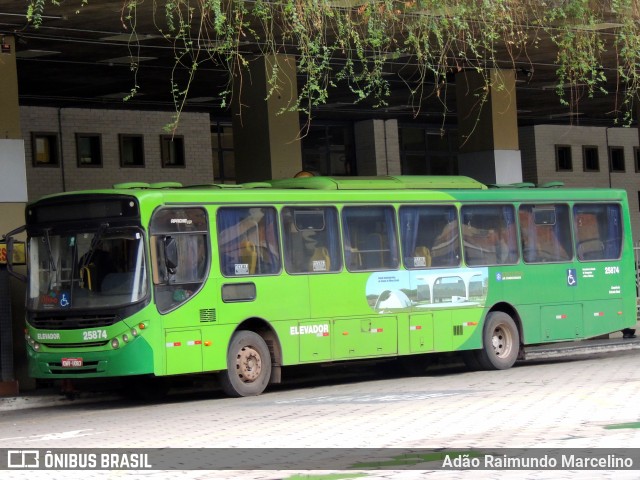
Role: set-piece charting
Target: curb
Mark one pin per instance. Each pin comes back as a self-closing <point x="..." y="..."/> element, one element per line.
<point x="47" y="400"/>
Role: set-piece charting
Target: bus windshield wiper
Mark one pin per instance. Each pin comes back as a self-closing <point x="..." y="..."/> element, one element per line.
<point x="47" y="242"/>
<point x="94" y="244"/>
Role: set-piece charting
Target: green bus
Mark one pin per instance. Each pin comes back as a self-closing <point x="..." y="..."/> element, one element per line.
<point x="150" y="280"/>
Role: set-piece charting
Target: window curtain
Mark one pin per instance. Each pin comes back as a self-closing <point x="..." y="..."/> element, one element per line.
<point x="409" y="224"/>
<point x="333" y="236"/>
<point x="613" y="242"/>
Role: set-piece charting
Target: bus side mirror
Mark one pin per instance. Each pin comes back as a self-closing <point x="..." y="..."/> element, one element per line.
<point x="11" y="256"/>
<point x="170" y="254"/>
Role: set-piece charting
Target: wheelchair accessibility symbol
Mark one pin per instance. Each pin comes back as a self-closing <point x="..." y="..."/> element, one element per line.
<point x="572" y="278"/>
<point x="64" y="300"/>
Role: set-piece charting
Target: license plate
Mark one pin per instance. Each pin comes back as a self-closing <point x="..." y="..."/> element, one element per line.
<point x="71" y="362"/>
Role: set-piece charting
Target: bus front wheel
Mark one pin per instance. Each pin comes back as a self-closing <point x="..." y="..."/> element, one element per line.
<point x="501" y="342"/>
<point x="248" y="365"/>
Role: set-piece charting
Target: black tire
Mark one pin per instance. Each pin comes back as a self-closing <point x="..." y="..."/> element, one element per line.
<point x="501" y="342"/>
<point x="248" y="365"/>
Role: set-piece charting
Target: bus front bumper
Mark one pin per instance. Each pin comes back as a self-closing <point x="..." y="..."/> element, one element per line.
<point x="135" y="358"/>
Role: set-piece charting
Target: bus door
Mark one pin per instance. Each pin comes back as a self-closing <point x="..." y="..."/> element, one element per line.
<point x="180" y="257"/>
<point x="312" y="260"/>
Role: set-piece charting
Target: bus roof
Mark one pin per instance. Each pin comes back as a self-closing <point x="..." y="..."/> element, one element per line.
<point x="399" y="182"/>
<point x="345" y="189"/>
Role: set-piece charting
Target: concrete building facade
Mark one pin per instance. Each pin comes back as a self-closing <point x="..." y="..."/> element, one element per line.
<point x="107" y="127"/>
<point x="578" y="156"/>
<point x="590" y="157"/>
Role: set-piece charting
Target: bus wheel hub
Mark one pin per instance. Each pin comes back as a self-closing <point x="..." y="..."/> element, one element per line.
<point x="249" y="364"/>
<point x="500" y="342"/>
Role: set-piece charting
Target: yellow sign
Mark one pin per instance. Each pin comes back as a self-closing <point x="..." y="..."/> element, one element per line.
<point x="19" y="257"/>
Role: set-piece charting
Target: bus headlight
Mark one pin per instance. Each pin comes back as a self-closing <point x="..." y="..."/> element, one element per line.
<point x="115" y="343"/>
<point x="134" y="332"/>
<point x="125" y="338"/>
<point x="36" y="346"/>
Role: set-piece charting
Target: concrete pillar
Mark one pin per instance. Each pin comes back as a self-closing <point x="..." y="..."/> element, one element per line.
<point x="488" y="131"/>
<point x="13" y="197"/>
<point x="377" y="147"/>
<point x="10" y="118"/>
<point x="266" y="137"/>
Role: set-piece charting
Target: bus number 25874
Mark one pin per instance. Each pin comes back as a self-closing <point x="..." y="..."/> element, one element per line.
<point x="94" y="335"/>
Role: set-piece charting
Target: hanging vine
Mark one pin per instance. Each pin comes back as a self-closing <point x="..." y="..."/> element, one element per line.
<point x="353" y="42"/>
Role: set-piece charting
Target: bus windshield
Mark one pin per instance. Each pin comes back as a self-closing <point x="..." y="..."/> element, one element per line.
<point x="84" y="270"/>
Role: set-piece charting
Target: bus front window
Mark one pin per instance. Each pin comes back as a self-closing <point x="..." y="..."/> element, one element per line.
<point x="86" y="270"/>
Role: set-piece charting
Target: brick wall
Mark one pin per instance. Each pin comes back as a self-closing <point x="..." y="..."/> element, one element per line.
<point x="194" y="127"/>
<point x="548" y="136"/>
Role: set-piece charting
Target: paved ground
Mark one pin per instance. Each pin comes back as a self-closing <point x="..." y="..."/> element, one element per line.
<point x="590" y="402"/>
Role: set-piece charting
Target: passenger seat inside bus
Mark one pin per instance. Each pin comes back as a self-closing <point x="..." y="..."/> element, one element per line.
<point x="592" y="249"/>
<point x="249" y="255"/>
<point x="320" y="261"/>
<point x="422" y="252"/>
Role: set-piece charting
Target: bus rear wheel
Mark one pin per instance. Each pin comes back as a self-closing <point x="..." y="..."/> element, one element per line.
<point x="248" y="365"/>
<point x="501" y="342"/>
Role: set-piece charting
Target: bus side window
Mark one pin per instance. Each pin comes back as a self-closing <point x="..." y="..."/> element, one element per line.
<point x="311" y="239"/>
<point x="179" y="254"/>
<point x="545" y="233"/>
<point x="370" y="241"/>
<point x="248" y="241"/>
<point x="430" y="236"/>
<point x="598" y="231"/>
<point x="489" y="235"/>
